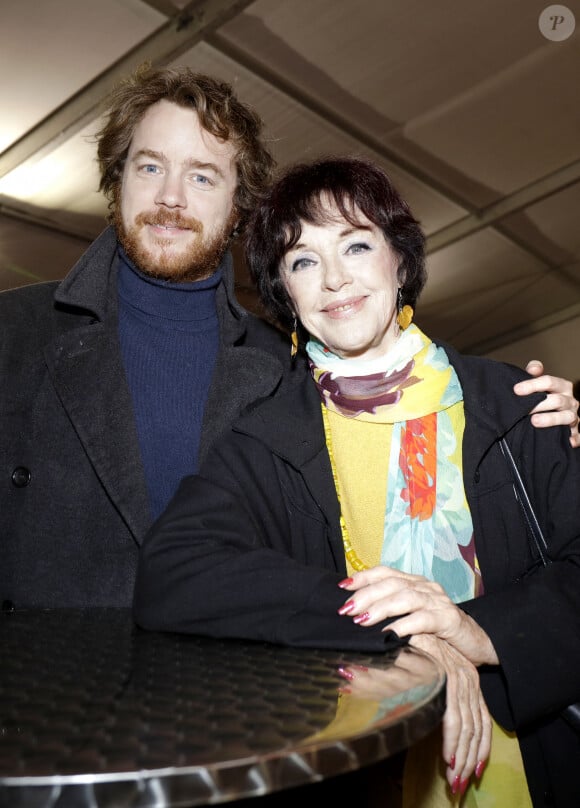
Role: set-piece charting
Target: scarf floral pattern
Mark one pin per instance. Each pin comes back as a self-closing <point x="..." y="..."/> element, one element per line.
<point x="427" y="525"/>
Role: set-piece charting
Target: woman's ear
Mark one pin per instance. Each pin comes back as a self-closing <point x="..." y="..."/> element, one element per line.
<point x="401" y="274"/>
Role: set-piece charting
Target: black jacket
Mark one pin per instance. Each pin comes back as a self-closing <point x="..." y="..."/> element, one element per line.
<point x="252" y="548"/>
<point x="73" y="497"/>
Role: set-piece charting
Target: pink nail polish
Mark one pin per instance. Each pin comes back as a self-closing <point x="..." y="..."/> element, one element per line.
<point x="463" y="785"/>
<point x="480" y="768"/>
<point x="346" y="607"/>
<point x="361" y="618"/>
<point x="346" y="673"/>
<point x="345" y="583"/>
<point x="455" y="784"/>
<point x="452" y="762"/>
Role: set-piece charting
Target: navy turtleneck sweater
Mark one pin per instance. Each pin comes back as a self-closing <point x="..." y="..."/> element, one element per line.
<point x="169" y="337"/>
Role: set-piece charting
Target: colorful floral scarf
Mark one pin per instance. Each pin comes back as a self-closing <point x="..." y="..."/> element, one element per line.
<point x="427" y="526"/>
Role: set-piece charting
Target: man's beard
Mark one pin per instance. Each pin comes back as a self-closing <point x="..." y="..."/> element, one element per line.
<point x="195" y="263"/>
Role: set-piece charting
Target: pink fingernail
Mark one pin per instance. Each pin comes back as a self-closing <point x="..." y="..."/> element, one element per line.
<point x="452" y="762"/>
<point x="463" y="785"/>
<point x="361" y="618"/>
<point x="455" y="784"/>
<point x="346" y="673"/>
<point x="479" y="768"/>
<point x="346" y="582"/>
<point x="346" y="607"/>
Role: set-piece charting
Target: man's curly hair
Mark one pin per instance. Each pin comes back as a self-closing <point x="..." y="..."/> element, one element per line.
<point x="220" y="112"/>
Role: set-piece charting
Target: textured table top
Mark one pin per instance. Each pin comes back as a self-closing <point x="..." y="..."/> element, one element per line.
<point x="94" y="712"/>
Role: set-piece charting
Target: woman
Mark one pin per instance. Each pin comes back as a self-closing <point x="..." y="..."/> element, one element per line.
<point x="385" y="466"/>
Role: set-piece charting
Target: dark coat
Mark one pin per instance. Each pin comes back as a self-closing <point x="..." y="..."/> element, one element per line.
<point x="252" y="548"/>
<point x="73" y="498"/>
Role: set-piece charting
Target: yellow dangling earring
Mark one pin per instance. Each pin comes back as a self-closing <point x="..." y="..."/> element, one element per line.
<point x="404" y="313"/>
<point x="294" y="339"/>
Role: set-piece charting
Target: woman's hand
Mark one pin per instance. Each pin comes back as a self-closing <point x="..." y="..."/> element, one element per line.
<point x="436" y="625"/>
<point x="466" y="725"/>
<point x="381" y="593"/>
<point x="559" y="406"/>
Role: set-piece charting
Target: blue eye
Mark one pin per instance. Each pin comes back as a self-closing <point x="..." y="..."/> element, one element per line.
<point x="359" y="247"/>
<point x="201" y="179"/>
<point x="302" y="263"/>
<point x="150" y="169"/>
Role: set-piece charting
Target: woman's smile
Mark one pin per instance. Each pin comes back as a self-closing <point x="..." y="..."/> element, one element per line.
<point x="345" y="307"/>
<point x="342" y="280"/>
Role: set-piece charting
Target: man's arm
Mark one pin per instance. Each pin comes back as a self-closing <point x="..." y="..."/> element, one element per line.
<point x="559" y="407"/>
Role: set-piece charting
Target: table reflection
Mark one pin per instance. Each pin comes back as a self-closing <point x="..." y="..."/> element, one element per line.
<point x="96" y="712"/>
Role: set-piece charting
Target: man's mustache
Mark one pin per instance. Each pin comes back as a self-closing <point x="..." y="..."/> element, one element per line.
<point x="166" y="219"/>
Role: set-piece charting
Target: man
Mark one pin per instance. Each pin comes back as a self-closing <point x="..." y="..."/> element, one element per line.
<point x="116" y="381"/>
<point x="108" y="376"/>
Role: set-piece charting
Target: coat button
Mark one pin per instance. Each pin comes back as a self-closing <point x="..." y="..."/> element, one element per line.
<point x="21" y="477"/>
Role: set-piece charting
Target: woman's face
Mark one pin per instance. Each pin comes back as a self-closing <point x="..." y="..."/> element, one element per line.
<point x="342" y="282"/>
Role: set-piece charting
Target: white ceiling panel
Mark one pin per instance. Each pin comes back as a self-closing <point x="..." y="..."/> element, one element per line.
<point x="50" y="49"/>
<point x="514" y="127"/>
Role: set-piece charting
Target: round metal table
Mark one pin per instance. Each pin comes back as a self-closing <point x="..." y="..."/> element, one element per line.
<point x="95" y="712"/>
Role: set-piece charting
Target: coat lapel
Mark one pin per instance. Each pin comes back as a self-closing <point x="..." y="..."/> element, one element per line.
<point x="242" y="374"/>
<point x="86" y="371"/>
<point x="85" y="365"/>
<point x="241" y="377"/>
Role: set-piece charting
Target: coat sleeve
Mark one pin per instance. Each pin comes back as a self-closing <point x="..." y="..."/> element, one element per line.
<point x="530" y="612"/>
<point x="227" y="560"/>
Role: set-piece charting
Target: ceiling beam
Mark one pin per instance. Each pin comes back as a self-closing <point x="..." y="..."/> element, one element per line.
<point x="13" y="211"/>
<point x="185" y="29"/>
<point x="527" y="330"/>
<point x="512" y="203"/>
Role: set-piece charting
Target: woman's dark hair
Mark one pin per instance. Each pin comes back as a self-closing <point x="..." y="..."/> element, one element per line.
<point x="304" y="193"/>
<point x="220" y="112"/>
